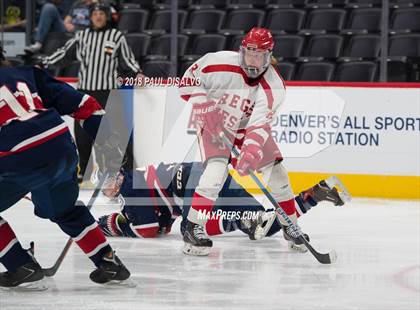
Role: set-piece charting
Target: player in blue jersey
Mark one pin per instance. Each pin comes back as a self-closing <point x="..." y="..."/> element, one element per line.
<point x="154" y="196"/>
<point x="38" y="156"/>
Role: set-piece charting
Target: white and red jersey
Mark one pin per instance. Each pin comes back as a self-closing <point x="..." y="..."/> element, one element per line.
<point x="249" y="104"/>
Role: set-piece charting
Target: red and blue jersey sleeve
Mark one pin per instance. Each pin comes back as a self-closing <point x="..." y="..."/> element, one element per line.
<point x="64" y="98"/>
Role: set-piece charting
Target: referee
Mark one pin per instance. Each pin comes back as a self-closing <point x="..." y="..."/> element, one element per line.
<point x="104" y="55"/>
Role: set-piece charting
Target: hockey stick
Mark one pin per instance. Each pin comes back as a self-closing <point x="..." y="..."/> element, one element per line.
<point x="49" y="272"/>
<point x="327" y="258"/>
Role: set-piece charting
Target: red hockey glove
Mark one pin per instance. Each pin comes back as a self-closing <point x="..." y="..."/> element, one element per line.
<point x="249" y="158"/>
<point x="208" y="117"/>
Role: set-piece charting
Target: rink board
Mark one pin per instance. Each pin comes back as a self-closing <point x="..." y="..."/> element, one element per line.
<point x="368" y="134"/>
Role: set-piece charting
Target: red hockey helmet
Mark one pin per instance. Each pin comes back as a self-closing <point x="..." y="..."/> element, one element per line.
<point x="259" y="38"/>
<point x="255" y="51"/>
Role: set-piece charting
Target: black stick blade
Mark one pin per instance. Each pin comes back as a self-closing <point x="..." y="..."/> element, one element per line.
<point x="327" y="258"/>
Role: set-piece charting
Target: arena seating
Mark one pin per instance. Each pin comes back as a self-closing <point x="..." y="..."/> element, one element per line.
<point x="316" y="71"/>
<point x="315" y="39"/>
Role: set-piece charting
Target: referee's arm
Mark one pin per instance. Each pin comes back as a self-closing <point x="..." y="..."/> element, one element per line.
<point x="63" y="56"/>
<point x="126" y="60"/>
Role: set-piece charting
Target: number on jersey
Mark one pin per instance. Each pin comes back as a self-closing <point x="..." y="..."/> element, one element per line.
<point x="11" y="108"/>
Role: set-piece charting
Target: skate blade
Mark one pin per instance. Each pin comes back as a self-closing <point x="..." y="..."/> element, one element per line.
<point x="126" y="283"/>
<point x="297" y="248"/>
<point x="195" y="250"/>
<point x="37" y="286"/>
<point x="343" y="192"/>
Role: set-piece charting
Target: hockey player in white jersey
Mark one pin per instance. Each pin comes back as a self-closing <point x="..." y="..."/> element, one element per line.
<point x="239" y="95"/>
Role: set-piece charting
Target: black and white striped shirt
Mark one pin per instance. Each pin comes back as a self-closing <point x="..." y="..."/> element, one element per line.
<point x="103" y="56"/>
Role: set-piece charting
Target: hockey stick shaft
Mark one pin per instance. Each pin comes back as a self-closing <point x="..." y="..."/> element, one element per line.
<point x="322" y="258"/>
<point x="49" y="272"/>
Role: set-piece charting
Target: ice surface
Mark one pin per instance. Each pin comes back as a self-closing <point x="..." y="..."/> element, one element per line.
<point x="378" y="267"/>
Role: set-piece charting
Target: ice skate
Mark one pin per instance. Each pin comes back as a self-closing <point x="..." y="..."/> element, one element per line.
<point x="196" y="241"/>
<point x="331" y="189"/>
<point x="28" y="277"/>
<point x="111" y="272"/>
<point x="290" y="234"/>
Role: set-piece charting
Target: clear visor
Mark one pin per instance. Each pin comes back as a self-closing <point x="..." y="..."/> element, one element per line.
<point x="254" y="62"/>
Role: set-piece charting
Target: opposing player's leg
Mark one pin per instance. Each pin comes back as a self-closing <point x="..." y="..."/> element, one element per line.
<point x="29" y="274"/>
<point x="22" y="268"/>
<point x="54" y="192"/>
<point x="331" y="190"/>
<point x="267" y="223"/>
<point x="56" y="201"/>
